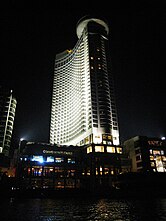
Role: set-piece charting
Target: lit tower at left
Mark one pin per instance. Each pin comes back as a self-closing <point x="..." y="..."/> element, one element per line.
<point x="7" y="114"/>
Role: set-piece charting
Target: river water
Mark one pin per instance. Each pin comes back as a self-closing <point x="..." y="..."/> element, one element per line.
<point x="83" y="209"/>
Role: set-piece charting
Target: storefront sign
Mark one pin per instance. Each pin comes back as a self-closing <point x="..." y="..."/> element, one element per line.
<point x="54" y="152"/>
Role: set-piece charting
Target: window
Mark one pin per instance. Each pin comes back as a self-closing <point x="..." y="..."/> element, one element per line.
<point x="139" y="164"/>
<point x="162" y="152"/>
<point x="59" y="159"/>
<point x="36" y="171"/>
<point x="99" y="148"/>
<point x="137" y="151"/>
<point x="89" y="149"/>
<point x="138" y="157"/>
<point x="37" y="159"/>
<point x="50" y="159"/>
<point x="69" y="160"/>
<point x="110" y="149"/>
<point x="151" y="157"/>
<point x="152" y="164"/>
<point x="119" y="150"/>
<point x="48" y="171"/>
<point x="156" y="152"/>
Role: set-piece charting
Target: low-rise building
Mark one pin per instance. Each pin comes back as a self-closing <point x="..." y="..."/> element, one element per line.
<point x="147" y="154"/>
<point x="94" y="166"/>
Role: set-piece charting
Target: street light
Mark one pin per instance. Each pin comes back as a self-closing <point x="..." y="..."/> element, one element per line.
<point x="18" y="156"/>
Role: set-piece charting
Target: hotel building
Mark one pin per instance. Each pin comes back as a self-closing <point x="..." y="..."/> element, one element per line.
<point x="83" y="104"/>
<point x="7" y="115"/>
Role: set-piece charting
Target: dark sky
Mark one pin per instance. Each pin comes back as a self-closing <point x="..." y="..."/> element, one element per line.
<point x="32" y="35"/>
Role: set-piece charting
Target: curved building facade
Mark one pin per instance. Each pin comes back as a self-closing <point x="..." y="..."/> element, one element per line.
<point x="83" y="105"/>
<point x="7" y="114"/>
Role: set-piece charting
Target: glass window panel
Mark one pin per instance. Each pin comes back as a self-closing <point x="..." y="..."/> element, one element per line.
<point x="99" y="148"/>
<point x="110" y="149"/>
<point x="69" y="160"/>
<point x="159" y="164"/>
<point x="59" y="159"/>
<point x="151" y="157"/>
<point x="89" y="149"/>
<point x="38" y="159"/>
<point x="50" y="159"/>
<point x="156" y="152"/>
<point x="119" y="150"/>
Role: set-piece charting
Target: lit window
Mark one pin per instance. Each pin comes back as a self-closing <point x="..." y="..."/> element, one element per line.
<point x="112" y="171"/>
<point x="110" y="149"/>
<point x="119" y="150"/>
<point x="162" y="152"/>
<point x="101" y="170"/>
<point x="152" y="164"/>
<point x="156" y="152"/>
<point x="106" y="171"/>
<point x="69" y="160"/>
<point x="164" y="158"/>
<point x="138" y="157"/>
<point x="38" y="159"/>
<point x="88" y="172"/>
<point x="50" y="159"/>
<point x="89" y="149"/>
<point x="151" y="157"/>
<point x="99" y="148"/>
<point x="59" y="159"/>
<point x="159" y="164"/>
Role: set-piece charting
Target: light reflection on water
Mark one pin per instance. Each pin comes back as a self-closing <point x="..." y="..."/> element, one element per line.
<point x="83" y="209"/>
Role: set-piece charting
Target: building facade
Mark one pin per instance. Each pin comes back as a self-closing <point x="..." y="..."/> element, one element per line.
<point x="83" y="103"/>
<point x="89" y="167"/>
<point x="147" y="154"/>
<point x="7" y="114"/>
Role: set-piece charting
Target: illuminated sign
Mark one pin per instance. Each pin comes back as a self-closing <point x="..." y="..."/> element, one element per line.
<point x="54" y="152"/>
<point x="155" y="142"/>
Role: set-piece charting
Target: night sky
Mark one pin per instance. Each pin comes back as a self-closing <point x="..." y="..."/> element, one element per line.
<point x="32" y="35"/>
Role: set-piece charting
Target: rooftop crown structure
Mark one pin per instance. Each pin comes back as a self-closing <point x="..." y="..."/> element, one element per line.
<point x="83" y="105"/>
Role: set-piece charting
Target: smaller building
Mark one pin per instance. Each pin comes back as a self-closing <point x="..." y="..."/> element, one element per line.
<point x="102" y="165"/>
<point x="43" y="165"/>
<point x="92" y="167"/>
<point x="147" y="154"/>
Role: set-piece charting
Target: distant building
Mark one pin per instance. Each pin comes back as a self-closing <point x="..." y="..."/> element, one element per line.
<point x="83" y="103"/>
<point x="147" y="154"/>
<point x="7" y="115"/>
<point x="90" y="167"/>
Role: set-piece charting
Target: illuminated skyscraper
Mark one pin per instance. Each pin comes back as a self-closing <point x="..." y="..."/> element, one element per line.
<point x="83" y="105"/>
<point x="7" y="115"/>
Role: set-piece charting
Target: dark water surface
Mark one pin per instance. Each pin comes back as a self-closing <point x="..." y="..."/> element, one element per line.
<point x="82" y="209"/>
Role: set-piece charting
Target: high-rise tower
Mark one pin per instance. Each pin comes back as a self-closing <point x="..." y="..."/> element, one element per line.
<point x="83" y="105"/>
<point x="7" y="115"/>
